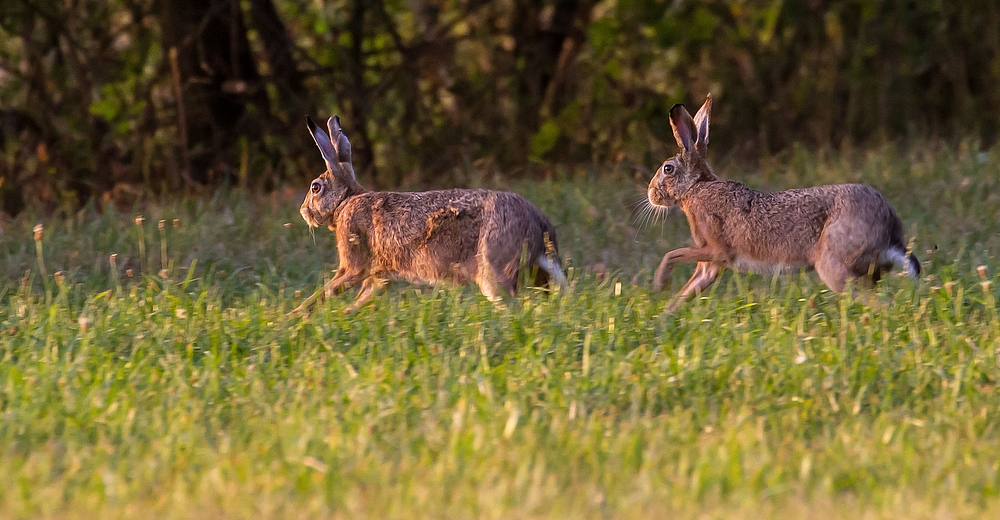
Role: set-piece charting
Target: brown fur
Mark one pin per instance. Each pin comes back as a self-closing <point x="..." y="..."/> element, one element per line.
<point x="844" y="231"/>
<point x="455" y="236"/>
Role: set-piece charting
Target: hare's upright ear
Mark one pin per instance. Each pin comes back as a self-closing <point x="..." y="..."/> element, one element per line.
<point x="324" y="144"/>
<point x="341" y="144"/>
<point x="339" y="139"/>
<point x="683" y="125"/>
<point x="701" y="124"/>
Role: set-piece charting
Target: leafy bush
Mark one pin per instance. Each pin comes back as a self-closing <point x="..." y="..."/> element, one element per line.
<point x="90" y="91"/>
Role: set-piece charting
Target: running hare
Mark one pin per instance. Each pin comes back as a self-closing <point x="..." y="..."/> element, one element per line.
<point x="456" y="236"/>
<point x="843" y="231"/>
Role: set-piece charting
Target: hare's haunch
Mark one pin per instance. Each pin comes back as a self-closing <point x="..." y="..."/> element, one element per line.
<point x="844" y="231"/>
<point x="451" y="236"/>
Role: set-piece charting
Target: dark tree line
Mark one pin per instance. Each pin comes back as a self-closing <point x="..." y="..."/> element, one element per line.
<point x="115" y="98"/>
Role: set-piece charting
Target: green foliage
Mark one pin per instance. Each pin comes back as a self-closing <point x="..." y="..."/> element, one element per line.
<point x="425" y="89"/>
<point x="77" y="87"/>
<point x="545" y="139"/>
<point x="189" y="394"/>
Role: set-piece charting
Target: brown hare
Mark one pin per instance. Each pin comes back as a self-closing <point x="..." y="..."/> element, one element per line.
<point x="456" y="236"/>
<point x="843" y="231"/>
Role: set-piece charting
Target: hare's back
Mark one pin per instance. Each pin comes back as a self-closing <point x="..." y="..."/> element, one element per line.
<point x="412" y="219"/>
<point x="863" y="218"/>
<point x="865" y="201"/>
<point x="852" y="209"/>
<point x="494" y="211"/>
<point x="452" y="225"/>
<point x="760" y="222"/>
<point x="421" y="237"/>
<point x="512" y="220"/>
<point x="818" y="205"/>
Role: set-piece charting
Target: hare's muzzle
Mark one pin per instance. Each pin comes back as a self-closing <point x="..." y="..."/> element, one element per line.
<point x="658" y="196"/>
<point x="307" y="214"/>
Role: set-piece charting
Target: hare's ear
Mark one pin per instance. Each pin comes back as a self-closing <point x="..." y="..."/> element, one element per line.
<point x="701" y="124"/>
<point x="339" y="139"/>
<point x="341" y="144"/>
<point x="324" y="144"/>
<point x="683" y="125"/>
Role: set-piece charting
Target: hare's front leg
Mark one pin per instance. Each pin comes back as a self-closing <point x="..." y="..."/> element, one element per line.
<point x="685" y="254"/>
<point x="704" y="275"/>
<point x="343" y="280"/>
<point x="369" y="288"/>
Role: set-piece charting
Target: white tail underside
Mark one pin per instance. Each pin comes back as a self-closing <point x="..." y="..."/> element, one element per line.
<point x="555" y="272"/>
<point x="899" y="257"/>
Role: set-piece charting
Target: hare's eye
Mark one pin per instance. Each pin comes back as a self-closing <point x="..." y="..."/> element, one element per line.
<point x="668" y="168"/>
<point x="316" y="187"/>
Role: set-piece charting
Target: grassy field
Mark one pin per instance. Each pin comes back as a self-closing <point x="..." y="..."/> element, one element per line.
<point x="171" y="386"/>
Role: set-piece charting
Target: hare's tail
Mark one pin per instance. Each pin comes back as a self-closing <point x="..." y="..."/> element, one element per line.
<point x="899" y="256"/>
<point x="556" y="275"/>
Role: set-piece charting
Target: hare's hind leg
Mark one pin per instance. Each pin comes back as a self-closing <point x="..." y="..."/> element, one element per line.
<point x="494" y="286"/>
<point x="491" y="290"/>
<point x="705" y="275"/>
<point x="833" y="273"/>
<point x="492" y="278"/>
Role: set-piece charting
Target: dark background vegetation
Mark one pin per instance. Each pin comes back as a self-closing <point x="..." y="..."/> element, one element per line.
<point x="113" y="99"/>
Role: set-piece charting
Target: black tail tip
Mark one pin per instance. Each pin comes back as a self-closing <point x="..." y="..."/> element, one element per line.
<point x="914" y="264"/>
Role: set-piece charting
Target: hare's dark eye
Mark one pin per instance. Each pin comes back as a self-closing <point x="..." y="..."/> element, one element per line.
<point x="668" y="168"/>
<point x="316" y="187"/>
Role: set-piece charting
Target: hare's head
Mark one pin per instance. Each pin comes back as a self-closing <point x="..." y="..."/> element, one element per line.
<point x="677" y="174"/>
<point x="328" y="191"/>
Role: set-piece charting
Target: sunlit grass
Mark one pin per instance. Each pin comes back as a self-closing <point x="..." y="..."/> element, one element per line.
<point x="186" y="393"/>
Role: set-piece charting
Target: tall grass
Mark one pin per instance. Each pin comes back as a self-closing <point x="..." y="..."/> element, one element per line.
<point x="173" y="386"/>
